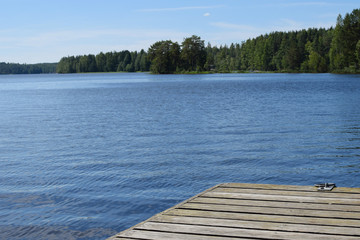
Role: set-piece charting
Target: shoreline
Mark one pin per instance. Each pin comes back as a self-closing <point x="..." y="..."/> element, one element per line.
<point x="196" y="73"/>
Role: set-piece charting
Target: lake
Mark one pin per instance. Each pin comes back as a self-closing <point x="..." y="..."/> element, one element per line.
<point x="84" y="156"/>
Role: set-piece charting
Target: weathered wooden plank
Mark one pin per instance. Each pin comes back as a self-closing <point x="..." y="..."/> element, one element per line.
<point x="334" y="230"/>
<point x="268" y="186"/>
<point x="275" y="204"/>
<point x="319" y="194"/>
<point x="286" y="187"/>
<point x="235" y="232"/>
<point x="266" y="218"/>
<point x="277" y="211"/>
<point x="164" y="212"/>
<point x="125" y="238"/>
<point x="247" y="211"/>
<point x="160" y="235"/>
<point x="282" y="198"/>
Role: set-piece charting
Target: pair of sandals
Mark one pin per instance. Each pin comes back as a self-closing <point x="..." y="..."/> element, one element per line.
<point x="325" y="186"/>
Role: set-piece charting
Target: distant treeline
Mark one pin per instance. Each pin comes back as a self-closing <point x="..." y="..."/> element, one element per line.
<point x="123" y="61"/>
<point x="314" y="50"/>
<point x="16" y="68"/>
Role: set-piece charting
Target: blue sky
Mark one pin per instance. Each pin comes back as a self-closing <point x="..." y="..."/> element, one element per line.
<point x="33" y="31"/>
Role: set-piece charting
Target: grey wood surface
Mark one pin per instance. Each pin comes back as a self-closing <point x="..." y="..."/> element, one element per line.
<point x="256" y="211"/>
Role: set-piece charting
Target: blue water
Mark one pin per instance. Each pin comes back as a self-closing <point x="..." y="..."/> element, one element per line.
<point x="85" y="156"/>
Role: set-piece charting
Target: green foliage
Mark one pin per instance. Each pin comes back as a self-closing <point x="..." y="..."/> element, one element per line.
<point x="164" y="57"/>
<point x="105" y="62"/>
<point x="357" y="52"/>
<point x="100" y="62"/>
<point x="193" y="54"/>
<point x="344" y="47"/>
<point x="315" y="62"/>
<point x="277" y="51"/>
<point x="15" y="68"/>
<point x="311" y="50"/>
<point x="170" y="57"/>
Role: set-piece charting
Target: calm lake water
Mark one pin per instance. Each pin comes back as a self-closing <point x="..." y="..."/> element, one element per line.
<point x="85" y="156"/>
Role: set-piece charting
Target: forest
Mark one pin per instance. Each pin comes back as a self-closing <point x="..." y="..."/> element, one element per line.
<point x="315" y="50"/>
<point x="16" y="68"/>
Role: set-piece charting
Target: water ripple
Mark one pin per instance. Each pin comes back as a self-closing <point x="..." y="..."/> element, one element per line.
<point x="86" y="156"/>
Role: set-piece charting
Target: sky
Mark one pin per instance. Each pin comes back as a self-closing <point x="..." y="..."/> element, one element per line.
<point x="38" y="31"/>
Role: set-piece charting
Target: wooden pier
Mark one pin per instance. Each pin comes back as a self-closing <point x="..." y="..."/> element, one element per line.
<point x="256" y="211"/>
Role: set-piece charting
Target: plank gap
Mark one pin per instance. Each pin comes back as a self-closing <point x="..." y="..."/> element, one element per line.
<point x="193" y="234"/>
<point x="299" y="188"/>
<point x="129" y="238"/>
<point x="260" y="225"/>
<point x="249" y="217"/>
<point x="234" y="232"/>
<point x="284" y="198"/>
<point x="262" y="203"/>
<point x="283" y="192"/>
<point x="268" y="210"/>
<point x="260" y="229"/>
<point x="335" y="190"/>
<point x="258" y="213"/>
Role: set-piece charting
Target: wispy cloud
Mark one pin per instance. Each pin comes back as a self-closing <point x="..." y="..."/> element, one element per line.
<point x="239" y="32"/>
<point x="329" y="15"/>
<point x="178" y="8"/>
<point x="286" y="25"/>
<point x="52" y="45"/>
<point x="226" y="25"/>
<point x="291" y="24"/>
<point x="295" y="4"/>
<point x="311" y="3"/>
<point x="232" y="33"/>
<point x="130" y="39"/>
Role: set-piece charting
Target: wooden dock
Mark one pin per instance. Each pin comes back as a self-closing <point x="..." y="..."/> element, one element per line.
<point x="256" y="211"/>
